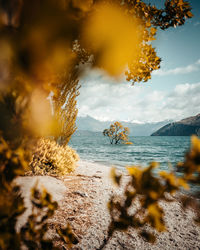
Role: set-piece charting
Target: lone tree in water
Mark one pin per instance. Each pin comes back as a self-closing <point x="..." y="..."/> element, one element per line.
<point x="117" y="133"/>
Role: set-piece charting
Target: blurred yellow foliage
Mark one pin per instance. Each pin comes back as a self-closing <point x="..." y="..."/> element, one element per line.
<point x="191" y="164"/>
<point x="172" y="181"/>
<point x="155" y="217"/>
<point x="83" y="5"/>
<point x="39" y="115"/>
<point x="39" y="41"/>
<point x="34" y="233"/>
<point x="5" y="63"/>
<point x="113" y="37"/>
<point x="148" y="188"/>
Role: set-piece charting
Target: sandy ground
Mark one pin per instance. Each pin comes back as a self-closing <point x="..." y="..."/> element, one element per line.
<point x="82" y="199"/>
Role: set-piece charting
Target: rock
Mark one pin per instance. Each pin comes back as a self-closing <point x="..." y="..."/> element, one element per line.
<point x="81" y="194"/>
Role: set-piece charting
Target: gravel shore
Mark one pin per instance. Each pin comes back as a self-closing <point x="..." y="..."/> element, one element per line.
<point x="82" y="198"/>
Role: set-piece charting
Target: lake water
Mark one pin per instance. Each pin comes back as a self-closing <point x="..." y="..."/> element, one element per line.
<point x="145" y="149"/>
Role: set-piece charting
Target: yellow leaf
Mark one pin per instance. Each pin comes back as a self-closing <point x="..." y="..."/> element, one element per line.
<point x="156" y="214"/>
<point x="128" y="143"/>
<point x="153" y="30"/>
<point x="195" y="143"/>
<point x="154" y="164"/>
<point x="154" y="195"/>
<point x="183" y="183"/>
<point x="134" y="171"/>
<point x="190" y="14"/>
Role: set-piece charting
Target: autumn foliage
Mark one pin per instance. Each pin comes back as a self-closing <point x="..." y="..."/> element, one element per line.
<point x="117" y="133"/>
<point x="64" y="106"/>
<point x="49" y="158"/>
<point x="45" y="46"/>
<point x="139" y="205"/>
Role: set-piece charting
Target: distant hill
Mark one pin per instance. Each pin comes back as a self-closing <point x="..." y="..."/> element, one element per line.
<point x="185" y="127"/>
<point x="90" y="124"/>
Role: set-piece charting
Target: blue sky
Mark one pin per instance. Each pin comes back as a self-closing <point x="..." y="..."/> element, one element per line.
<point x="179" y="47"/>
<point x="172" y="93"/>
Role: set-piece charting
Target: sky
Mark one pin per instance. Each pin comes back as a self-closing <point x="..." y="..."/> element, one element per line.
<point x="173" y="93"/>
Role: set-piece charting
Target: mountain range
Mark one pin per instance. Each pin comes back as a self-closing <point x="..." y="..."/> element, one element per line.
<point x="88" y="123"/>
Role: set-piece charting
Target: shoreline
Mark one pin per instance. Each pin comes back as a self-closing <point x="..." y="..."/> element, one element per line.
<point x="82" y="197"/>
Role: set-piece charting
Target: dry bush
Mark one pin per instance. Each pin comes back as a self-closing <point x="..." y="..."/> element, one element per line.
<point x="51" y="158"/>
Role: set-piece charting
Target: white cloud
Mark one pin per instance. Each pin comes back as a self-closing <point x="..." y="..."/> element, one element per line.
<point x="179" y="70"/>
<point x="182" y="102"/>
<point x="114" y="101"/>
<point x="197" y="23"/>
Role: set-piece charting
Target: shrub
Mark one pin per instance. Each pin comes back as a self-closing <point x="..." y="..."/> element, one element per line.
<point x="53" y="159"/>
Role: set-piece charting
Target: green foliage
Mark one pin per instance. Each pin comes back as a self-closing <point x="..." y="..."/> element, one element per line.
<point x="49" y="158"/>
<point x="117" y="133"/>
